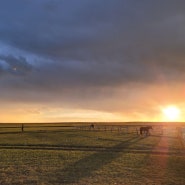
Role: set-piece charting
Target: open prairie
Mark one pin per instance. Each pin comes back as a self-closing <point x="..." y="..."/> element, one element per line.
<point x="46" y="154"/>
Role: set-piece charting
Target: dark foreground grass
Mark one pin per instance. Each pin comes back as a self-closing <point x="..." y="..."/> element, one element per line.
<point x="125" y="159"/>
<point x="69" y="167"/>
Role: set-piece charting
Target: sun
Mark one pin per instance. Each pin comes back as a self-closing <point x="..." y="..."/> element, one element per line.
<point x="171" y="113"/>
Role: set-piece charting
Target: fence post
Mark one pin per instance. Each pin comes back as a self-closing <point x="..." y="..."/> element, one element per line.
<point x="137" y="131"/>
<point x="180" y="135"/>
<point x="22" y="128"/>
<point x="105" y="128"/>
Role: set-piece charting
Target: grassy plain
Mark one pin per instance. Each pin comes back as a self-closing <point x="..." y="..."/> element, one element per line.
<point x="85" y="157"/>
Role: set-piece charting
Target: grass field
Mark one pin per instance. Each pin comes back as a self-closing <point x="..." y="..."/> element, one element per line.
<point x="85" y="157"/>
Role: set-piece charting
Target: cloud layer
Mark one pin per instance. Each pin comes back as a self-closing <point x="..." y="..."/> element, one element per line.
<point x="84" y="52"/>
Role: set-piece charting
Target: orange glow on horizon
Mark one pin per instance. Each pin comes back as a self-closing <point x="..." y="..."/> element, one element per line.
<point x="37" y="113"/>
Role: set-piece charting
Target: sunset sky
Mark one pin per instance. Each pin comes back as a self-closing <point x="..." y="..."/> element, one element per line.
<point x="91" y="60"/>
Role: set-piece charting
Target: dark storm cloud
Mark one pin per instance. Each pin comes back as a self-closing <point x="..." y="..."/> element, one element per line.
<point x="92" y="43"/>
<point x="12" y="65"/>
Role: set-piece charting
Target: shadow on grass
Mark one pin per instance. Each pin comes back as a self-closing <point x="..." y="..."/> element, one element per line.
<point x="12" y="132"/>
<point x="87" y="165"/>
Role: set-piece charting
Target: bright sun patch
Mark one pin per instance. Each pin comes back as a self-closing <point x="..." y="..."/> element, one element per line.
<point x="171" y="113"/>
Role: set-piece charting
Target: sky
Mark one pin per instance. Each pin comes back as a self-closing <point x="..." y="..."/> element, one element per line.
<point x="91" y="60"/>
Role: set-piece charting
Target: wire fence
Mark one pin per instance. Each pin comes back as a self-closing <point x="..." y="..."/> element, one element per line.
<point x="127" y="129"/>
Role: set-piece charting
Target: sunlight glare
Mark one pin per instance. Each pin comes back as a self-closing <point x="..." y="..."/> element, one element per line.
<point x="172" y="113"/>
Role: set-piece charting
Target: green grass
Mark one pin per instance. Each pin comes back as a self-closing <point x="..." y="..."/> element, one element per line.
<point x="79" y="138"/>
<point x="69" y="167"/>
<point x="125" y="159"/>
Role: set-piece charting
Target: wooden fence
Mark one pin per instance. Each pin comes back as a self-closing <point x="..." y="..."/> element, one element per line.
<point x="127" y="129"/>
